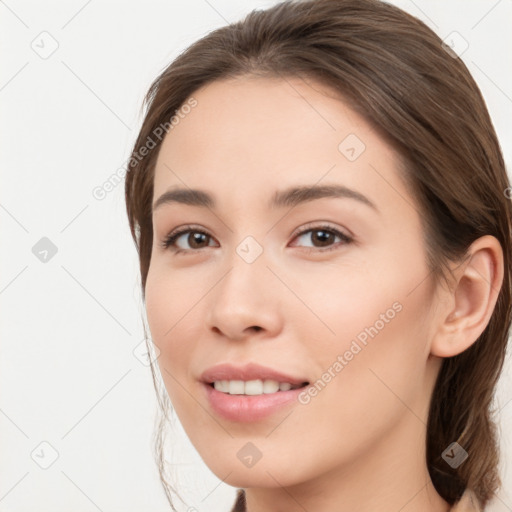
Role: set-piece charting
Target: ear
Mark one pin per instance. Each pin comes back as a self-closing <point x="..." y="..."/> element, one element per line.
<point x="469" y="304"/>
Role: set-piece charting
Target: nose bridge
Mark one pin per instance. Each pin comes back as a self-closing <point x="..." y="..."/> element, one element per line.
<point x="243" y="297"/>
<point x="248" y="273"/>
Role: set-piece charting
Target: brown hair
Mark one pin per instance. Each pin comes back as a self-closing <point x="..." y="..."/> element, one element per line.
<point x="396" y="73"/>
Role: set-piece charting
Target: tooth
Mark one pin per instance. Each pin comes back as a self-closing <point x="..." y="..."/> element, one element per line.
<point x="253" y="387"/>
<point x="270" y="386"/>
<point x="236" y="387"/>
<point x="221" y="385"/>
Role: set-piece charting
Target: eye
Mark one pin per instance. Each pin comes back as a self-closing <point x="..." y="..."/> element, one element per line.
<point x="196" y="238"/>
<point x="323" y="236"/>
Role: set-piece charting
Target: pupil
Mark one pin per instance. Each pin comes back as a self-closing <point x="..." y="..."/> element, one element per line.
<point x="326" y="237"/>
<point x="196" y="237"/>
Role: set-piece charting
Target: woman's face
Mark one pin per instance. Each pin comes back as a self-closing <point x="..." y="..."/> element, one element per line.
<point x="278" y="286"/>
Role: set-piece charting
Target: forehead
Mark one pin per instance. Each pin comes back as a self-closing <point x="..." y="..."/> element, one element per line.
<point x="253" y="134"/>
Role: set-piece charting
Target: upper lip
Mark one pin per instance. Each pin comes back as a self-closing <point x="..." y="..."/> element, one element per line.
<point x="250" y="371"/>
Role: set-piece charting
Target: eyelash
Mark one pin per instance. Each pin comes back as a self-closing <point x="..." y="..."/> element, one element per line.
<point x="171" y="238"/>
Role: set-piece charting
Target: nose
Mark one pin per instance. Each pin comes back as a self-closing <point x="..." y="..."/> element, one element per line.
<point x="246" y="300"/>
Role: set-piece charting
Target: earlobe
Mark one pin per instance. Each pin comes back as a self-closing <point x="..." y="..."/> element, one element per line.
<point x="472" y="299"/>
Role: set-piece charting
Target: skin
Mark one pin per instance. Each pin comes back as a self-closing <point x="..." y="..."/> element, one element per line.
<point x="359" y="445"/>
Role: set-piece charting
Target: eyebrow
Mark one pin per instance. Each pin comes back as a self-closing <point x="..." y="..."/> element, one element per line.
<point x="284" y="198"/>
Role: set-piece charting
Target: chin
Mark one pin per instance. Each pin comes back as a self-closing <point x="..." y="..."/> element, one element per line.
<point x="269" y="474"/>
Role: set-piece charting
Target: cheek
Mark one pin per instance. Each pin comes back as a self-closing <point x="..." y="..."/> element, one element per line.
<point x="375" y="317"/>
<point x="165" y="307"/>
<point x="158" y="311"/>
<point x="170" y="310"/>
<point x="372" y="372"/>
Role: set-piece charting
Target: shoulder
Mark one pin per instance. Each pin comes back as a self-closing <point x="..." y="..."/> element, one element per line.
<point x="239" y="505"/>
<point x="467" y="503"/>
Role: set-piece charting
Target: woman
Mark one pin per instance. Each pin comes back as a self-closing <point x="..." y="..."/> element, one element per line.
<point x="320" y="208"/>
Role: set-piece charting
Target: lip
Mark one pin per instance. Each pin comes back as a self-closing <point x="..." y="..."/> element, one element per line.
<point x="250" y="371"/>
<point x="248" y="408"/>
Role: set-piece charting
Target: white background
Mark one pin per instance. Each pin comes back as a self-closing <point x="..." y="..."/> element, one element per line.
<point x="68" y="374"/>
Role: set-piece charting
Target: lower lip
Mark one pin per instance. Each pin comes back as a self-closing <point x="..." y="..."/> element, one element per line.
<point x="248" y="408"/>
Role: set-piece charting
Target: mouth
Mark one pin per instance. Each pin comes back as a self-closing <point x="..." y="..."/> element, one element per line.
<point x="250" y="392"/>
<point x="243" y="407"/>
